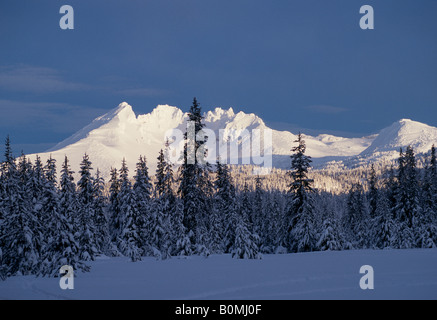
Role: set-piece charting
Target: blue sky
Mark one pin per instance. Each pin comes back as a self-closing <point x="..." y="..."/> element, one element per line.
<point x="297" y="64"/>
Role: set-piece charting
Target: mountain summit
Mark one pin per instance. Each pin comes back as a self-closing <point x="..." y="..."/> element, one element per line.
<point x="401" y="134"/>
<point x="120" y="134"/>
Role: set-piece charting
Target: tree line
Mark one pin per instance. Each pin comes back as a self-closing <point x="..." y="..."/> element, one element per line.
<point x="196" y="209"/>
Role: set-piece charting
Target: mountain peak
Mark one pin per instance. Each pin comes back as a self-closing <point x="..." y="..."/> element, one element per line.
<point x="121" y="134"/>
<point x="403" y="133"/>
<point x="165" y="110"/>
<point x="122" y="111"/>
<point x="124" y="105"/>
<point x="219" y="114"/>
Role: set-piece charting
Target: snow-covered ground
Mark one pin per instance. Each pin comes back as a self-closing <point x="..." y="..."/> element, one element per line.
<point x="398" y="274"/>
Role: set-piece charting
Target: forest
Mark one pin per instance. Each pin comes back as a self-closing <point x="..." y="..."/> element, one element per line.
<point x="48" y="221"/>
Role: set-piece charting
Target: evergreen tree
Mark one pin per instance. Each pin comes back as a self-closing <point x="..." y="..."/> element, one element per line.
<point x="272" y="226"/>
<point x="432" y="180"/>
<point x="50" y="205"/>
<point x="100" y="217"/>
<point x="355" y="221"/>
<point x="130" y="239"/>
<point x="426" y="227"/>
<point x="191" y="173"/>
<point x="373" y="192"/>
<point x="246" y="243"/>
<point x="142" y="189"/>
<point x="114" y="209"/>
<point x="216" y="230"/>
<point x="207" y="189"/>
<point x="278" y="228"/>
<point x="181" y="242"/>
<point x="38" y="222"/>
<point x="142" y="185"/>
<point x="392" y="187"/>
<point x="19" y="255"/>
<point x="384" y="227"/>
<point x="63" y="249"/>
<point x="226" y="205"/>
<point x="258" y="213"/>
<point x="9" y="159"/>
<point x="302" y="233"/>
<point x="330" y="236"/>
<point x="164" y="177"/>
<point x="329" y="239"/>
<point x="86" y="214"/>
<point x="37" y="183"/>
<point x="170" y="208"/>
<point x="408" y="205"/>
<point x="159" y="231"/>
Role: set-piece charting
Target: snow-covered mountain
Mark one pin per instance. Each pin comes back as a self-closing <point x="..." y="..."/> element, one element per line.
<point x="401" y="134"/>
<point x="121" y="134"/>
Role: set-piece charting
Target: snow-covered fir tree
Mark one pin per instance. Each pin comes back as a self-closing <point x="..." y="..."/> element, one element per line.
<point x="226" y="204"/>
<point x="331" y="238"/>
<point x="182" y="245"/>
<point x="392" y="189"/>
<point x="302" y="231"/>
<point x="373" y="192"/>
<point x="130" y="243"/>
<point x="258" y="212"/>
<point x="37" y="183"/>
<point x="38" y="222"/>
<point x="273" y="232"/>
<point x="246" y="243"/>
<point x="191" y="173"/>
<point x="383" y="226"/>
<point x="165" y="207"/>
<point x="114" y="211"/>
<point x="101" y="223"/>
<point x="206" y="186"/>
<point x="426" y="227"/>
<point x="356" y="218"/>
<point x="159" y="231"/>
<point x="407" y="202"/>
<point x="19" y="255"/>
<point x="164" y="176"/>
<point x="50" y="205"/>
<point x="142" y="190"/>
<point x="63" y="247"/>
<point x="86" y="213"/>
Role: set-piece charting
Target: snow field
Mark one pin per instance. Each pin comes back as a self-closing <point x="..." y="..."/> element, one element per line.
<point x="398" y="274"/>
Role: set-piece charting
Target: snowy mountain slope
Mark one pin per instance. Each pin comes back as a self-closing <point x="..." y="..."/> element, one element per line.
<point x="386" y="145"/>
<point x="402" y="134"/>
<point x="121" y="134"/>
<point x="117" y="135"/>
